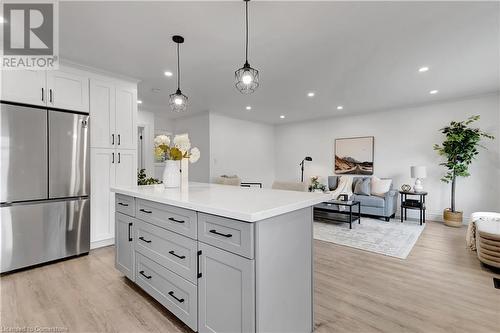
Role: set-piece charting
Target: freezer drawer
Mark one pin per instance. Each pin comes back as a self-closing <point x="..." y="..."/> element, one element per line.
<point x="23" y="164"/>
<point x="69" y="168"/>
<point x="38" y="232"/>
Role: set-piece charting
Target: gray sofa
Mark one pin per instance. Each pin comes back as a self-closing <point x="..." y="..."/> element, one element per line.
<point x="372" y="205"/>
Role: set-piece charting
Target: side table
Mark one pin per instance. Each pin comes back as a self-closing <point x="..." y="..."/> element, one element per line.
<point x="417" y="204"/>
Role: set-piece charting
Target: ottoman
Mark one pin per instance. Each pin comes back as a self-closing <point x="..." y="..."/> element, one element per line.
<point x="488" y="238"/>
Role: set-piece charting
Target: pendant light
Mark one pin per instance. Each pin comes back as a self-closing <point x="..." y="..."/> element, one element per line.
<point x="246" y="78"/>
<point x="178" y="101"/>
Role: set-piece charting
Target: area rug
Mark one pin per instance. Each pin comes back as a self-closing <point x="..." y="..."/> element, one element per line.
<point x="391" y="238"/>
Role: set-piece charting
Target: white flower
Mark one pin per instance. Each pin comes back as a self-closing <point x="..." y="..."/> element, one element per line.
<point x="182" y="142"/>
<point x="162" y="140"/>
<point x="195" y="155"/>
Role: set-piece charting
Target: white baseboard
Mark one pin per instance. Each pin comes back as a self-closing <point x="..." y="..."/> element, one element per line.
<point x="102" y="243"/>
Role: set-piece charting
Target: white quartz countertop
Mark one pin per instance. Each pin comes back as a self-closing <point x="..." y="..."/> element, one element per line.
<point x="246" y="204"/>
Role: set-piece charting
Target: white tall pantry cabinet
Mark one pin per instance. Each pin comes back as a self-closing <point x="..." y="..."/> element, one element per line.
<point x="113" y="141"/>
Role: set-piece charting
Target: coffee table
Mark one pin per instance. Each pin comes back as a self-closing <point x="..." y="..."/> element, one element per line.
<point x="332" y="211"/>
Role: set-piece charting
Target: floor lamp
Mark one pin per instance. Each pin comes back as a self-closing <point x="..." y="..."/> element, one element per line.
<point x="307" y="158"/>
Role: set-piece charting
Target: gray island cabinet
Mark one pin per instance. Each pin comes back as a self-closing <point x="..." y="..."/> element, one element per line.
<point x="221" y="258"/>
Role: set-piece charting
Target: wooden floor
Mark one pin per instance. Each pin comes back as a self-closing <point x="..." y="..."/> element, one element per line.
<point x="440" y="287"/>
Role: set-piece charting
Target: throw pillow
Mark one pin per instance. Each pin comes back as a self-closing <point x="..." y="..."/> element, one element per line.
<point x="380" y="186"/>
<point x="362" y="187"/>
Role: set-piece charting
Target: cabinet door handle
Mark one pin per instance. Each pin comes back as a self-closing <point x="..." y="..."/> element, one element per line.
<point x="112" y="139"/>
<point x="174" y="220"/>
<point x="144" y="240"/>
<point x="112" y="157"/>
<point x="119" y="139"/>
<point x="123" y="204"/>
<point x="50" y="95"/>
<point x="176" y="255"/>
<point x="130" y="232"/>
<point x="119" y="157"/>
<point x="198" y="265"/>
<point x="145" y="211"/>
<point x="180" y="300"/>
<point x="43" y="95"/>
<point x="220" y="234"/>
<point x="146" y="276"/>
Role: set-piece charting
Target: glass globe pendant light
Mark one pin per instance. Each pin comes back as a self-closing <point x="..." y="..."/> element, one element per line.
<point x="246" y="78"/>
<point x="178" y="101"/>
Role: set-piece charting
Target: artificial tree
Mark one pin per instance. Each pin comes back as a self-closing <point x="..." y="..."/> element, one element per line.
<point x="460" y="148"/>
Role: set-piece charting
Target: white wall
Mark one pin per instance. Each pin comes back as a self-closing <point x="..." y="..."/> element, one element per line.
<point x="198" y="128"/>
<point x="402" y="138"/>
<point x="243" y="148"/>
<point x="146" y="119"/>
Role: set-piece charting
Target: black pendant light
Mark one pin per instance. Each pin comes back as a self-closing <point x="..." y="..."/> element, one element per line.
<point x="246" y="78"/>
<point x="178" y="101"/>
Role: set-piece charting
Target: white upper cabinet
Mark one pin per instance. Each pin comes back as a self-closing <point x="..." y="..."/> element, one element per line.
<point x="113" y="108"/>
<point x="68" y="90"/>
<point x="102" y="114"/>
<point x="126" y="108"/>
<point x="24" y="86"/>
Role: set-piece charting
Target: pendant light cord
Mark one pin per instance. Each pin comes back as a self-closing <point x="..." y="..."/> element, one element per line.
<point x="178" y="69"/>
<point x="246" y="29"/>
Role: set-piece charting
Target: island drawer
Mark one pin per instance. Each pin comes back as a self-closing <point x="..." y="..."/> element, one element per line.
<point x="182" y="221"/>
<point x="228" y="234"/>
<point x="176" y="294"/>
<point x="171" y="250"/>
<point x="125" y="204"/>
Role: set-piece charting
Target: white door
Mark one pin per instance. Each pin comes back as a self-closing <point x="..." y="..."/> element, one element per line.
<point x="101" y="199"/>
<point x="102" y="114"/>
<point x="24" y="86"/>
<point x="124" y="260"/>
<point x="226" y="292"/>
<point x="126" y="111"/>
<point x="67" y="90"/>
<point x="126" y="167"/>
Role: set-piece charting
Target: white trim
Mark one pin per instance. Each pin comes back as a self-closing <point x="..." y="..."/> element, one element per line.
<point x="102" y="243"/>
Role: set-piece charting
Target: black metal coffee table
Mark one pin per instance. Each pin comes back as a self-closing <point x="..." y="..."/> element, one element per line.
<point x="331" y="211"/>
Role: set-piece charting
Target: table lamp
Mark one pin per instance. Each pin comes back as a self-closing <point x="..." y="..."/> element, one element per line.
<point x="419" y="173"/>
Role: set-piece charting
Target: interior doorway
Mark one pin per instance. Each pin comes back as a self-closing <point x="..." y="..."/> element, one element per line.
<point x="140" y="148"/>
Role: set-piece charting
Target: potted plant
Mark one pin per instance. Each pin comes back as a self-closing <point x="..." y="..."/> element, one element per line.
<point x="459" y="148"/>
<point x="316" y="186"/>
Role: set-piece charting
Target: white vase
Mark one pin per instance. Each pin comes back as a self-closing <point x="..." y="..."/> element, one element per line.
<point x="172" y="174"/>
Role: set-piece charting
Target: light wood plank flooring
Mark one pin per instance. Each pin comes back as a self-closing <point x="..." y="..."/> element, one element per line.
<point x="441" y="287"/>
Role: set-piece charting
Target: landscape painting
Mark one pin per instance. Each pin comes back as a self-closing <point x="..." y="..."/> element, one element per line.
<point x="354" y="156"/>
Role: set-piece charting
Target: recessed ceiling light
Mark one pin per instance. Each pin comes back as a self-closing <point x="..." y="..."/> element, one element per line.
<point x="433" y="92"/>
<point x="310" y="94"/>
<point x="248" y="107"/>
<point x="423" y="69"/>
<point x="282" y="116"/>
<point x="169" y="73"/>
<point x="139" y="101"/>
<point x="340" y="107"/>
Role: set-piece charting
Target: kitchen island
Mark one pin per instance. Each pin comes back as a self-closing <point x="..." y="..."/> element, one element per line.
<point x="221" y="258"/>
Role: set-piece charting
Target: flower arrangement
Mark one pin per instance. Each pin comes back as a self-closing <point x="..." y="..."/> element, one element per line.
<point x="316" y="186"/>
<point x="176" y="149"/>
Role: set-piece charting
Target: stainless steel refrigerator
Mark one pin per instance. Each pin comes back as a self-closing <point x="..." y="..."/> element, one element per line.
<point x="44" y="197"/>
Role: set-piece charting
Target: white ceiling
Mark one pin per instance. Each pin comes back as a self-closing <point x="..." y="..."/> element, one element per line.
<point x="363" y="55"/>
